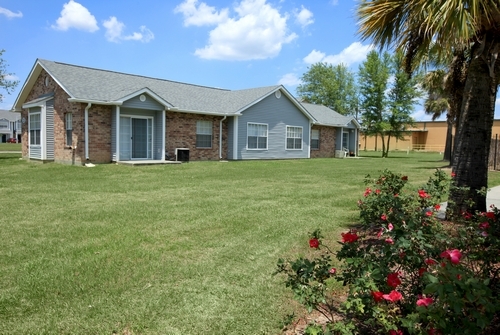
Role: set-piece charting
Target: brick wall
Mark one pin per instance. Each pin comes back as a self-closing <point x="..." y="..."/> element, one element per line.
<point x="326" y="142"/>
<point x="99" y="126"/>
<point x="181" y="133"/>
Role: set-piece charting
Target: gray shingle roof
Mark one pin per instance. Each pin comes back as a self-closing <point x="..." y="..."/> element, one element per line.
<point x="107" y="86"/>
<point x="8" y="115"/>
<point x="326" y="116"/>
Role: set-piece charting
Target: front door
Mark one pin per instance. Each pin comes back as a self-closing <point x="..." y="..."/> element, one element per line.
<point x="345" y="140"/>
<point x="136" y="138"/>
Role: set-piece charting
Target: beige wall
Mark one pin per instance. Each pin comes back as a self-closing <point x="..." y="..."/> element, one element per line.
<point x="428" y="136"/>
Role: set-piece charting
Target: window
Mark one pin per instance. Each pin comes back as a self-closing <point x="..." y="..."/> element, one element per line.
<point x="257" y="136"/>
<point x="203" y="134"/>
<point x="35" y="128"/>
<point x="4" y="124"/>
<point x="293" y="138"/>
<point x="315" y="139"/>
<point x="69" y="128"/>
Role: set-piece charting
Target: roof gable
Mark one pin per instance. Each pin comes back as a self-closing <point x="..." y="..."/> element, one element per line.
<point x="328" y="117"/>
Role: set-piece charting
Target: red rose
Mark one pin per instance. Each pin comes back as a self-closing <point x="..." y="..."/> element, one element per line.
<point x="314" y="243"/>
<point x="377" y="296"/>
<point x="425" y="302"/>
<point x="453" y="255"/>
<point x="393" y="280"/>
<point x="349" y="237"/>
<point x="393" y="296"/>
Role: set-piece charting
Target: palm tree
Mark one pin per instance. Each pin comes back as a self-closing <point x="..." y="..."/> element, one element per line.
<point x="437" y="104"/>
<point x="456" y="27"/>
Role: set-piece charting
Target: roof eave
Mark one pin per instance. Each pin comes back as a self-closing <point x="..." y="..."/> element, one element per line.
<point x="96" y="102"/>
<point x="190" y="111"/>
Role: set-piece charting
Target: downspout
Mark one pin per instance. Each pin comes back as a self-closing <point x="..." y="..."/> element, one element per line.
<point x="87" y="131"/>
<point x="220" y="137"/>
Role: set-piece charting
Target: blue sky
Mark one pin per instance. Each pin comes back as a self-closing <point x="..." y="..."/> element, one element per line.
<point x="233" y="44"/>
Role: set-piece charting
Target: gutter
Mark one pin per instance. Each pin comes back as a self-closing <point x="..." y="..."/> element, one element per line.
<point x="89" y="104"/>
<point x="220" y="137"/>
<point x="97" y="102"/>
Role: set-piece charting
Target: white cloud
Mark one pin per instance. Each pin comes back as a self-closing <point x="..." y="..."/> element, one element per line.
<point x="304" y="17"/>
<point x="11" y="77"/>
<point x="354" y="53"/>
<point x="196" y="14"/>
<point x="74" y="15"/>
<point x="114" y="32"/>
<point x="314" y="56"/>
<point x="289" y="79"/>
<point x="334" y="2"/>
<point x="9" y="14"/>
<point x="257" y="31"/>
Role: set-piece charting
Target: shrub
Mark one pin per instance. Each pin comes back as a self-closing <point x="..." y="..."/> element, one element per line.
<point x="405" y="270"/>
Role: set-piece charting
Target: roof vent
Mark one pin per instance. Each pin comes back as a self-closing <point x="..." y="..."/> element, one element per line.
<point x="277" y="94"/>
<point x="142" y="98"/>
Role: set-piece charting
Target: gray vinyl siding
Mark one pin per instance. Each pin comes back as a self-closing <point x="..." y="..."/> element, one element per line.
<point x="49" y="129"/>
<point x="157" y="140"/>
<point x="277" y="114"/>
<point x="136" y="102"/>
<point x="36" y="152"/>
<point x="230" y="136"/>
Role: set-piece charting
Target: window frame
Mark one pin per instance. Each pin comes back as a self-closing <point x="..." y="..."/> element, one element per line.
<point x="68" y="126"/>
<point x="37" y="132"/>
<point x="258" y="136"/>
<point x="315" y="141"/>
<point x="202" y="133"/>
<point x="287" y="138"/>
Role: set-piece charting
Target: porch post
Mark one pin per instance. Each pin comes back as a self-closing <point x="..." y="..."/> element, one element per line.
<point x="117" y="133"/>
<point x="163" y="131"/>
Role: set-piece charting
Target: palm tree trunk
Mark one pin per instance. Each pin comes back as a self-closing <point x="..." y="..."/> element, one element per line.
<point x="449" y="138"/>
<point x="470" y="161"/>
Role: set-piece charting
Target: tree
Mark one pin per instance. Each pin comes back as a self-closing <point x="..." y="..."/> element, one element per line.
<point x="331" y="86"/>
<point x="466" y="26"/>
<point x="373" y="76"/>
<point x="437" y="104"/>
<point x="401" y="99"/>
<point x="6" y="82"/>
<point x="387" y="108"/>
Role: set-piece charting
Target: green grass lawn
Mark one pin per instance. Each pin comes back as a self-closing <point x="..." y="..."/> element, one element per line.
<point x="171" y="249"/>
<point x="10" y="146"/>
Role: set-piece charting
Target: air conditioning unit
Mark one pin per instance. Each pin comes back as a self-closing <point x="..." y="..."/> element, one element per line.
<point x="182" y="154"/>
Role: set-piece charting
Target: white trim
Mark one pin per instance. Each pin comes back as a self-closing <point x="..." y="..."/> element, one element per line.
<point x="267" y="137"/>
<point x="163" y="131"/>
<point x="301" y="138"/>
<point x="117" y="133"/>
<point x="146" y="90"/>
<point x="235" y="138"/>
<point x="96" y="102"/>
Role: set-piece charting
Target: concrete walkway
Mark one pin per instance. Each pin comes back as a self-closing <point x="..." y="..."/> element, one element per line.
<point x="492" y="198"/>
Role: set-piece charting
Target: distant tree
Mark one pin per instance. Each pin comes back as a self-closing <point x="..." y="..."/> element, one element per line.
<point x="437" y="104"/>
<point x="331" y="86"/>
<point x="373" y="76"/>
<point x="5" y="82"/>
<point x="387" y="103"/>
<point x="401" y="100"/>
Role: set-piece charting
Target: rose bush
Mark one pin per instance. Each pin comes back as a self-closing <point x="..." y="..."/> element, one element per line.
<point x="405" y="270"/>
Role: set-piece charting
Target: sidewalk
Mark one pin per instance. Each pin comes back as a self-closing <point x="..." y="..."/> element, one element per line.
<point x="492" y="198"/>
